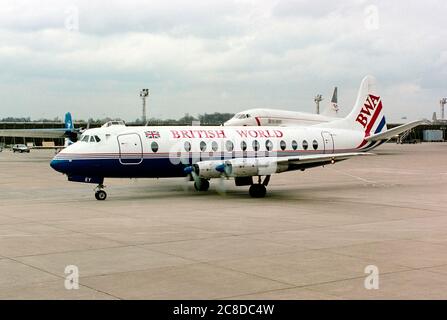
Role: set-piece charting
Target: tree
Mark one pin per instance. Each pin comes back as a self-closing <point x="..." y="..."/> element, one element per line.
<point x="186" y="119"/>
<point x="215" y="118"/>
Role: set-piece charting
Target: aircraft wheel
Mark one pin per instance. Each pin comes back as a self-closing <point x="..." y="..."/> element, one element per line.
<point x="202" y="185"/>
<point x="100" y="195"/>
<point x="257" y="190"/>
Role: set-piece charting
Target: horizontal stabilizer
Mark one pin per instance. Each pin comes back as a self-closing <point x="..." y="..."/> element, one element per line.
<point x="394" y="131"/>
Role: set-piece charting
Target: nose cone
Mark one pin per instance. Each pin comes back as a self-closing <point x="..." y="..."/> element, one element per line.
<point x="59" y="165"/>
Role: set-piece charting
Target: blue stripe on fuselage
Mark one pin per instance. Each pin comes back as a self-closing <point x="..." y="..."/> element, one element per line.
<point x="151" y="166"/>
<point x="162" y="167"/>
<point x="113" y="168"/>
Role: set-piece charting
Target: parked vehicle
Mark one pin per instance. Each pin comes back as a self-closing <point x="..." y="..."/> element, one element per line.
<point x="20" y="148"/>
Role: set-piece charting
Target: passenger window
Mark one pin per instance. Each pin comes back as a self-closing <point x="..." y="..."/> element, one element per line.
<point x="243" y="146"/>
<point x="92" y="139"/>
<point x="214" y="146"/>
<point x="229" y="145"/>
<point x="255" y="145"/>
<point x="269" y="145"/>
<point x="97" y="139"/>
<point x="305" y="145"/>
<point x="315" y="144"/>
<point x="187" y="146"/>
<point x="282" y="145"/>
<point x="294" y="145"/>
<point x="154" y="146"/>
<point x="85" y="139"/>
<point x="202" y="146"/>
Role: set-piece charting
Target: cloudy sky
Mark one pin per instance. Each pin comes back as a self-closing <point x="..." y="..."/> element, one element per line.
<point x="92" y="57"/>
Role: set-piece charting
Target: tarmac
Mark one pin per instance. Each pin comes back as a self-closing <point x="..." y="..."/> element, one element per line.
<point x="311" y="238"/>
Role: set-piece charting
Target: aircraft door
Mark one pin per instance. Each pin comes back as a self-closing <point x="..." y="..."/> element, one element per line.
<point x="328" y="142"/>
<point x="131" y="148"/>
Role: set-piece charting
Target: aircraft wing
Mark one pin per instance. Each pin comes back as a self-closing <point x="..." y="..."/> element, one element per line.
<point x="309" y="161"/>
<point x="263" y="166"/>
<point x="394" y="131"/>
<point x="34" y="133"/>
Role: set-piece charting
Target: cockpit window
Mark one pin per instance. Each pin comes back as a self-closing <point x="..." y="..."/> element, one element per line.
<point x="88" y="138"/>
<point x="242" y="116"/>
<point x="114" y="123"/>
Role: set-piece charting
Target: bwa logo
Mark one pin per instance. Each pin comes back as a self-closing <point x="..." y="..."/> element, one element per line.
<point x="370" y="111"/>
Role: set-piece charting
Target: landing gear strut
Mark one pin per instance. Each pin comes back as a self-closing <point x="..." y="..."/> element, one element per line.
<point x="201" y="184"/>
<point x="258" y="190"/>
<point x="100" y="194"/>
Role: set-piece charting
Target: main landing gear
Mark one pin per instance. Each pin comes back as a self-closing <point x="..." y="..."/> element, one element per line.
<point x="100" y="194"/>
<point x="201" y="184"/>
<point x="259" y="190"/>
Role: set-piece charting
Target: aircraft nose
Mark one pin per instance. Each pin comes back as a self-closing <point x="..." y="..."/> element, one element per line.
<point x="59" y="165"/>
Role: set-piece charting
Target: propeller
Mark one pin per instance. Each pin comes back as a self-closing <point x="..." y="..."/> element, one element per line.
<point x="190" y="176"/>
<point x="220" y="186"/>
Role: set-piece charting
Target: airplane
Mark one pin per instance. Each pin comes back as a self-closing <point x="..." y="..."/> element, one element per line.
<point x="209" y="152"/>
<point x="69" y="132"/>
<point x="277" y="117"/>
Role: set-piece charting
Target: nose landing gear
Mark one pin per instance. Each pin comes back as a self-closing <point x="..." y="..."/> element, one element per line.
<point x="100" y="194"/>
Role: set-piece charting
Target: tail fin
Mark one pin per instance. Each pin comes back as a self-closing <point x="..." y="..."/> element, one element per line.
<point x="333" y="108"/>
<point x="367" y="114"/>
<point x="68" y="121"/>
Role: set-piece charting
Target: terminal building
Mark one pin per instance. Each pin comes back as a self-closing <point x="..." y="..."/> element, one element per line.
<point x="435" y="131"/>
<point x="38" y="142"/>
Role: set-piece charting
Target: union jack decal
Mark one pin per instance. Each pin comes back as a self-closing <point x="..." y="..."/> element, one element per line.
<point x="152" y="134"/>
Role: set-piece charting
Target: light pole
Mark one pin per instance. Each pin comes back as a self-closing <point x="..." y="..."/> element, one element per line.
<point x="318" y="98"/>
<point x="144" y="93"/>
<point x="442" y="102"/>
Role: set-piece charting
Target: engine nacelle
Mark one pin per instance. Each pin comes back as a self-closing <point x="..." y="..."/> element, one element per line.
<point x="247" y="167"/>
<point x="207" y="169"/>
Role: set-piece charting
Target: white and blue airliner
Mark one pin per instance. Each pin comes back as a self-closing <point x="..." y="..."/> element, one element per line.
<point x="250" y="155"/>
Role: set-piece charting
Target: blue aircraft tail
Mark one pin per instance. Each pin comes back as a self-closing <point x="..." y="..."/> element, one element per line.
<point x="68" y="121"/>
